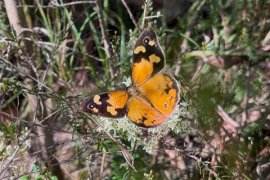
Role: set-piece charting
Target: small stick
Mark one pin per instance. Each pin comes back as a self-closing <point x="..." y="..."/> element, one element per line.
<point x="104" y="37"/>
<point x="130" y="14"/>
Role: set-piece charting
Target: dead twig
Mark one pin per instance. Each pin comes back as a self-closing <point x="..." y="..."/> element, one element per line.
<point x="201" y="162"/>
<point x="105" y="38"/>
<point x="183" y="47"/>
<point x="127" y="156"/>
<point x="53" y="4"/>
<point x="11" y="158"/>
<point x="130" y="14"/>
<point x="56" y="4"/>
<point x="227" y="118"/>
<point x="102" y="165"/>
<point x="245" y="101"/>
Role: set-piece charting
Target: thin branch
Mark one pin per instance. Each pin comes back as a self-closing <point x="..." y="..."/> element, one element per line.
<point x="201" y="162"/>
<point x="144" y="14"/>
<point x="130" y="13"/>
<point x="245" y="101"/>
<point x="124" y="151"/>
<point x="183" y="47"/>
<point x="53" y="4"/>
<point x="226" y="117"/>
<point x="11" y="158"/>
<point x="154" y="16"/>
<point x="39" y="124"/>
<point x="13" y="15"/>
<point x="104" y="37"/>
<point x="102" y="165"/>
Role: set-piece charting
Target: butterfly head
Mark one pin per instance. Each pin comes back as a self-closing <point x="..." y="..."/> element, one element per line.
<point x="133" y="91"/>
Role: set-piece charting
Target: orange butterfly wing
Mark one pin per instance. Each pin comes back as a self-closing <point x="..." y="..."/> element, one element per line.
<point x="158" y="92"/>
<point x="158" y="98"/>
<point x="162" y="91"/>
<point x="111" y="104"/>
<point x="141" y="113"/>
<point x="148" y="58"/>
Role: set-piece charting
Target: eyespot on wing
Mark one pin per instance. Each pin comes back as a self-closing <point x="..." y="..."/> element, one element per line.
<point x="111" y="104"/>
<point x="162" y="91"/>
<point x="148" y="58"/>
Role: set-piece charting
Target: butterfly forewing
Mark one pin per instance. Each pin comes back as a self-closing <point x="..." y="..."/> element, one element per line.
<point x="148" y="58"/>
<point x="111" y="104"/>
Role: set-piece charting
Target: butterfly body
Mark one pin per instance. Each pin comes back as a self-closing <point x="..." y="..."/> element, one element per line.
<point x="153" y="95"/>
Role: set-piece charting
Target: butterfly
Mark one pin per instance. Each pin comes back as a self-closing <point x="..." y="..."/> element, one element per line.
<point x="153" y="95"/>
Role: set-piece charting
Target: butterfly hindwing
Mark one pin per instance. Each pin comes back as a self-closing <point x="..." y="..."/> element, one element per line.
<point x="162" y="91"/>
<point x="141" y="113"/>
<point x="148" y="58"/>
<point x="111" y="104"/>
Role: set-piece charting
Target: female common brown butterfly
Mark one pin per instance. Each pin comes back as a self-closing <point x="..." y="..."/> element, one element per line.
<point x="153" y="95"/>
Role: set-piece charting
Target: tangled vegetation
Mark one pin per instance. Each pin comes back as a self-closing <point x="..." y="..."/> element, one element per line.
<point x="54" y="54"/>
